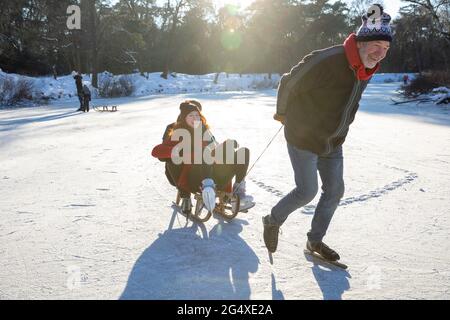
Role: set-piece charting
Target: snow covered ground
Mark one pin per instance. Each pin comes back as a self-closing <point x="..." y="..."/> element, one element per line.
<point x="85" y="212"/>
<point x="63" y="88"/>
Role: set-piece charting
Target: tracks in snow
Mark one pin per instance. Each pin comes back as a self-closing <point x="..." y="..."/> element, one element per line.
<point x="379" y="192"/>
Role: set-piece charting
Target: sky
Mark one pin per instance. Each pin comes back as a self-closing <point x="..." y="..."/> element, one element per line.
<point x="391" y="6"/>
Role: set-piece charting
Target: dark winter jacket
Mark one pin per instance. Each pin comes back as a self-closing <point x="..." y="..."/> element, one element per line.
<point x="320" y="96"/>
<point x="169" y="128"/>
<point x="86" y="92"/>
<point x="79" y="84"/>
<point x="163" y="152"/>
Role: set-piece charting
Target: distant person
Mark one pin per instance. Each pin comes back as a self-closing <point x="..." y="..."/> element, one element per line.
<point x="317" y="101"/>
<point x="79" y="84"/>
<point x="55" y="74"/>
<point x="405" y="79"/>
<point x="86" y="98"/>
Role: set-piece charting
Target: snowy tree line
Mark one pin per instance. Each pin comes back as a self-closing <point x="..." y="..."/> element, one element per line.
<point x="191" y="36"/>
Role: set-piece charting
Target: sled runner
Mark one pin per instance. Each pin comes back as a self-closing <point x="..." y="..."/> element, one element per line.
<point x="227" y="206"/>
<point x="105" y="109"/>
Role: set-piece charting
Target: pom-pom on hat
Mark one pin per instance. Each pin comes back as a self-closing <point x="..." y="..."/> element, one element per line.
<point x="375" y="25"/>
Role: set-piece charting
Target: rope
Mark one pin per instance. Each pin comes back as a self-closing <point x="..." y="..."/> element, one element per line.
<point x="253" y="165"/>
<point x="265" y="149"/>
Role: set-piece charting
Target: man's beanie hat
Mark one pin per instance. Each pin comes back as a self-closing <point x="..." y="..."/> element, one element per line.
<point x="375" y="25"/>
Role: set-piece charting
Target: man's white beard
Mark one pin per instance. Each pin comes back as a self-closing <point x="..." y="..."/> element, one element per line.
<point x="368" y="62"/>
<point x="372" y="63"/>
<point x="371" y="66"/>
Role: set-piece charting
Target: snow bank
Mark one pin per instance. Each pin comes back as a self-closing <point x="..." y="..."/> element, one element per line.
<point x="390" y="77"/>
<point x="440" y="95"/>
<point x="47" y="88"/>
<point x="152" y="83"/>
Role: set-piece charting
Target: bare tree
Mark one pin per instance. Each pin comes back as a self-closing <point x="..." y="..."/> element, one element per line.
<point x="359" y="7"/>
<point x="175" y="20"/>
<point x="93" y="23"/>
<point x="172" y="17"/>
<point x="439" y="11"/>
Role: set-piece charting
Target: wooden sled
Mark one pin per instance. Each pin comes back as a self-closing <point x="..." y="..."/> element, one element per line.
<point x="105" y="108"/>
<point x="227" y="206"/>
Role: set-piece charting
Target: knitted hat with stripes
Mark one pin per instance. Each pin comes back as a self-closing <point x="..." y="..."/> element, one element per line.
<point x="375" y="25"/>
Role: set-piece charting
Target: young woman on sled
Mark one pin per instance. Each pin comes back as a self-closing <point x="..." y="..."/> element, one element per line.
<point x="189" y="176"/>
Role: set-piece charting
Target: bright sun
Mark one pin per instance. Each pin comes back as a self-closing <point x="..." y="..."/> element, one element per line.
<point x="242" y="3"/>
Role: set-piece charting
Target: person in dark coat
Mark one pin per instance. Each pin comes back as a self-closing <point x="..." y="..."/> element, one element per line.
<point x="79" y="84"/>
<point x="86" y="98"/>
<point x="317" y="101"/>
<point x="405" y="79"/>
<point x="55" y="73"/>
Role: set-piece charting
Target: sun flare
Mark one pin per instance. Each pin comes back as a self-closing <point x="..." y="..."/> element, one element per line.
<point x="240" y="4"/>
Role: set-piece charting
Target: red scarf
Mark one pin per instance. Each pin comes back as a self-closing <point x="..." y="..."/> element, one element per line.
<point x="352" y="53"/>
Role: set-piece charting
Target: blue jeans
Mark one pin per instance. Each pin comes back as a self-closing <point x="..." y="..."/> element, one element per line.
<point x="305" y="165"/>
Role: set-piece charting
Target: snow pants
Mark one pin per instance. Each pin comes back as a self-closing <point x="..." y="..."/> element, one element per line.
<point x="222" y="174"/>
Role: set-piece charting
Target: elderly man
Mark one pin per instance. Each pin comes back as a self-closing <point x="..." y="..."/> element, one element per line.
<point x="317" y="101"/>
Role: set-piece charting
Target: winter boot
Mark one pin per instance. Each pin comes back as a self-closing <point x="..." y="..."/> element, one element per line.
<point x="186" y="205"/>
<point x="270" y="235"/>
<point x="322" y="249"/>
<point x="246" y="201"/>
<point x="209" y="194"/>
